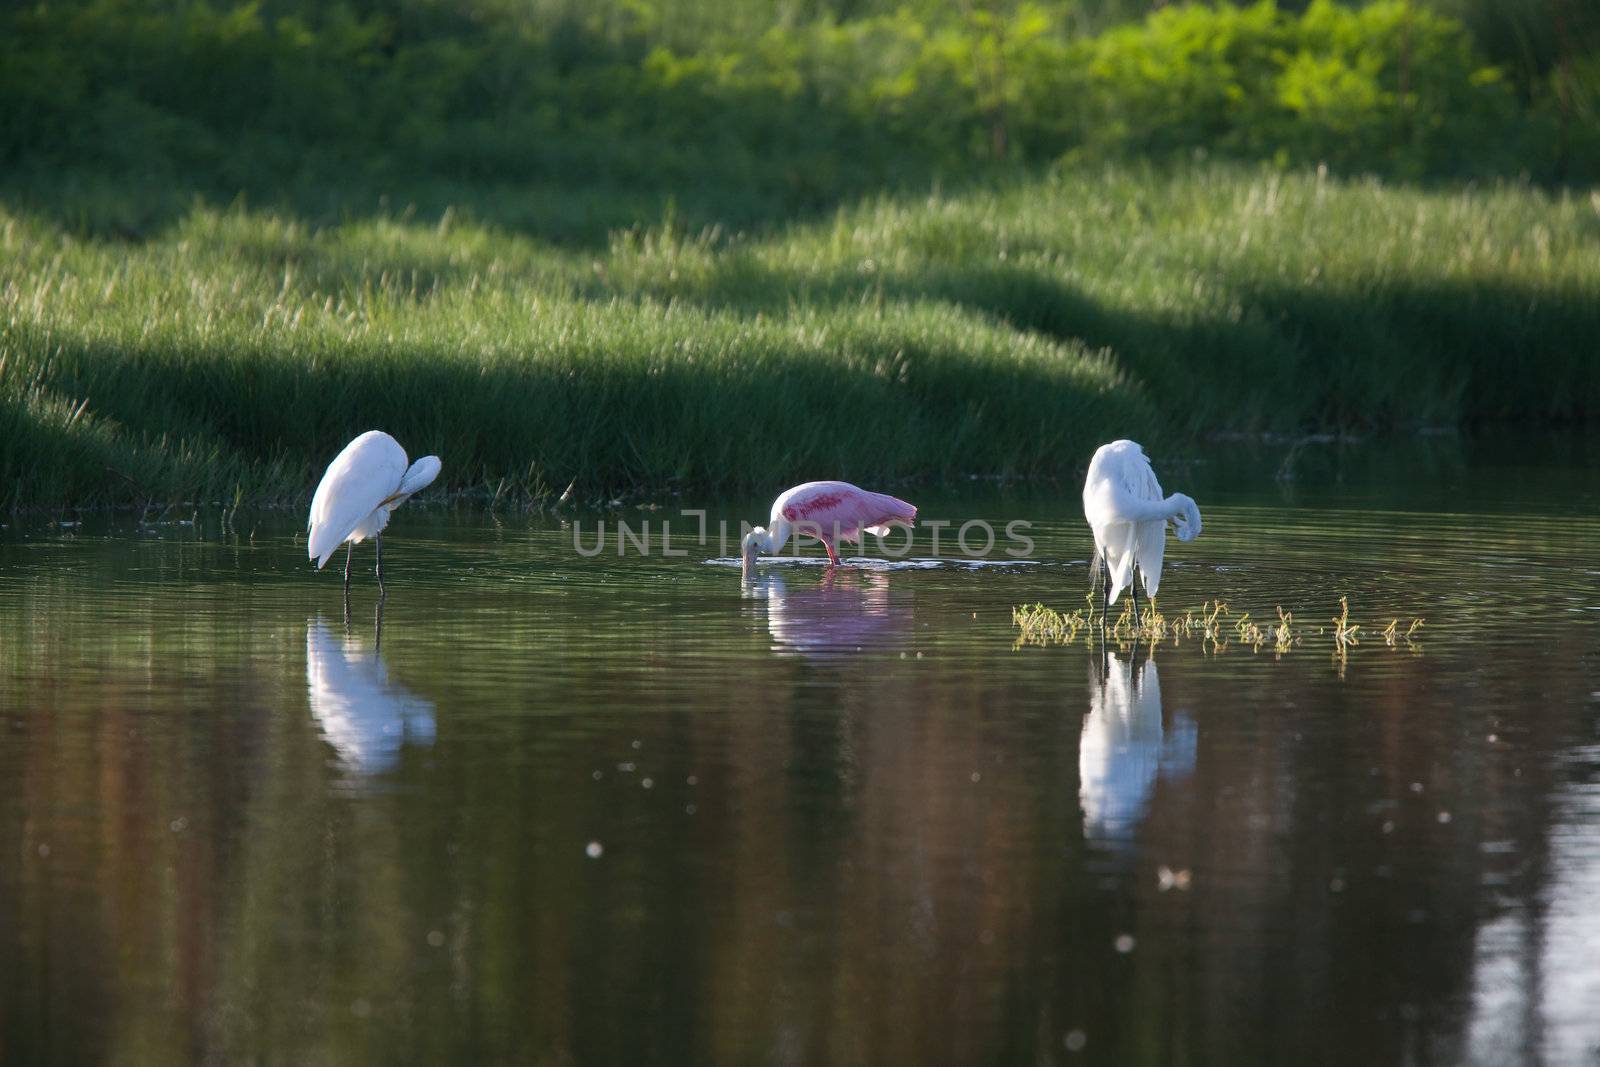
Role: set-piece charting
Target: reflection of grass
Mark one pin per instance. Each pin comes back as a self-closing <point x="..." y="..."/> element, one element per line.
<point x="1214" y="624"/>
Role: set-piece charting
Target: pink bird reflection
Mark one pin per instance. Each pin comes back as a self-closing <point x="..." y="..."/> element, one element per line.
<point x="844" y="613"/>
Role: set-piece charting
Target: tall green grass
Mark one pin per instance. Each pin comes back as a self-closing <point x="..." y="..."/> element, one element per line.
<point x="1001" y="332"/>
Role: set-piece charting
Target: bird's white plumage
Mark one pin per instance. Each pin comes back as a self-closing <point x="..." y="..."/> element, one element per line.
<point x="1125" y="747"/>
<point x="420" y="475"/>
<point x="360" y="489"/>
<point x="1123" y="504"/>
<point x="365" y="716"/>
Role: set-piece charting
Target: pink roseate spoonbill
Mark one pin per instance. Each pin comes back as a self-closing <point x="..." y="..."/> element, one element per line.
<point x="358" y="492"/>
<point x="830" y="512"/>
<point x="1123" y="503"/>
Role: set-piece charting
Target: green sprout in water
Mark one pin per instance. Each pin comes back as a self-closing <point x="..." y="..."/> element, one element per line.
<point x="1214" y="624"/>
<point x="1344" y="631"/>
<point x="1393" y="635"/>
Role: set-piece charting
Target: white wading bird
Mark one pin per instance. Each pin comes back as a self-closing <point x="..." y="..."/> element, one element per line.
<point x="359" y="490"/>
<point x="830" y="512"/>
<point x="1123" y="503"/>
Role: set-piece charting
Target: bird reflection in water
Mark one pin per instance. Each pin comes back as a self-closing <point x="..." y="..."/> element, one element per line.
<point x="366" y="717"/>
<point x="847" y="611"/>
<point x="1126" y="747"/>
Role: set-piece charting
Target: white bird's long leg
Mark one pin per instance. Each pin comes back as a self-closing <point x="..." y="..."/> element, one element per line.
<point x="350" y="550"/>
<point x="1133" y="591"/>
<point x="1105" y="588"/>
<point x="1105" y="607"/>
<point x="377" y="543"/>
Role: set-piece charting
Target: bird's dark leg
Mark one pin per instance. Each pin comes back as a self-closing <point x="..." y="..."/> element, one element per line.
<point x="1105" y="591"/>
<point x="377" y="626"/>
<point x="1133" y="591"/>
<point x="377" y="544"/>
<point x="1105" y="586"/>
<point x="348" y="553"/>
<point x="1105" y="607"/>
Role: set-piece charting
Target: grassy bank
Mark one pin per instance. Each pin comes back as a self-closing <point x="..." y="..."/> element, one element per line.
<point x="986" y="332"/>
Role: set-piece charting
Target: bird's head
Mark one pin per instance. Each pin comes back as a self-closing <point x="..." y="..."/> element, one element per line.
<point x="1186" y="521"/>
<point x="754" y="542"/>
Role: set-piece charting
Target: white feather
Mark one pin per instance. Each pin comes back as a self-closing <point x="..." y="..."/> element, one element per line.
<point x="1123" y="504"/>
<point x="419" y="476"/>
<point x="1125" y="748"/>
<point x="365" y="716"/>
<point x="360" y="489"/>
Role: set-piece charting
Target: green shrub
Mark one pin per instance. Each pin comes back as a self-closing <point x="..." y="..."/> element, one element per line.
<point x="324" y="108"/>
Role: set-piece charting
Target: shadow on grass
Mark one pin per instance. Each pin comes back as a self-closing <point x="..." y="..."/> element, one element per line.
<point x="1281" y="357"/>
<point x="866" y="380"/>
<point x="705" y="404"/>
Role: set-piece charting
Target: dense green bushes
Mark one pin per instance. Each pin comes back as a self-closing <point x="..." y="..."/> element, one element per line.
<point x="115" y="113"/>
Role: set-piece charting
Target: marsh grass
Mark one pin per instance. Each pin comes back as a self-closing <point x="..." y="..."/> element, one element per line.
<point x="1393" y="636"/>
<point x="1214" y="624"/>
<point x="1002" y="332"/>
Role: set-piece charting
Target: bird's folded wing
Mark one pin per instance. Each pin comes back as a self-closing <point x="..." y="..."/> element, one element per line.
<point x="1149" y="548"/>
<point x="357" y="481"/>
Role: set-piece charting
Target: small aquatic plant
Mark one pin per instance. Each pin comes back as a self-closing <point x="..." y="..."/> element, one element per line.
<point x="1211" y="613"/>
<point x="1214" y="624"/>
<point x="1283" y="636"/>
<point x="1393" y="635"/>
<point x="1344" y="631"/>
<point x="1040" y="625"/>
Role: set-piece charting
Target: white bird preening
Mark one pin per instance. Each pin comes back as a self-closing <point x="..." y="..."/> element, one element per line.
<point x="828" y="511"/>
<point x="358" y="492"/>
<point x="1123" y="504"/>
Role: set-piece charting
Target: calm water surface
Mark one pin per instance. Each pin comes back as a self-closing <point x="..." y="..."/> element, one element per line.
<point x="568" y="810"/>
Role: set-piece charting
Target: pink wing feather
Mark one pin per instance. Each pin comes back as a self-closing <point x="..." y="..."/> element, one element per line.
<point x="842" y="506"/>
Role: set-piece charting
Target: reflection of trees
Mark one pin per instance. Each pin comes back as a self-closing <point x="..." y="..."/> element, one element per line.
<point x="121" y="766"/>
<point x="844" y="891"/>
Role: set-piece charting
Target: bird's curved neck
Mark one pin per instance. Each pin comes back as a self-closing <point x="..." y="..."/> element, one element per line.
<point x="1131" y="509"/>
<point x="773" y="540"/>
<point x="762" y="540"/>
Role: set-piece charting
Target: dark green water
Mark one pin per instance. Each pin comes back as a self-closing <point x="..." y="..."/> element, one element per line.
<point x="610" y="810"/>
